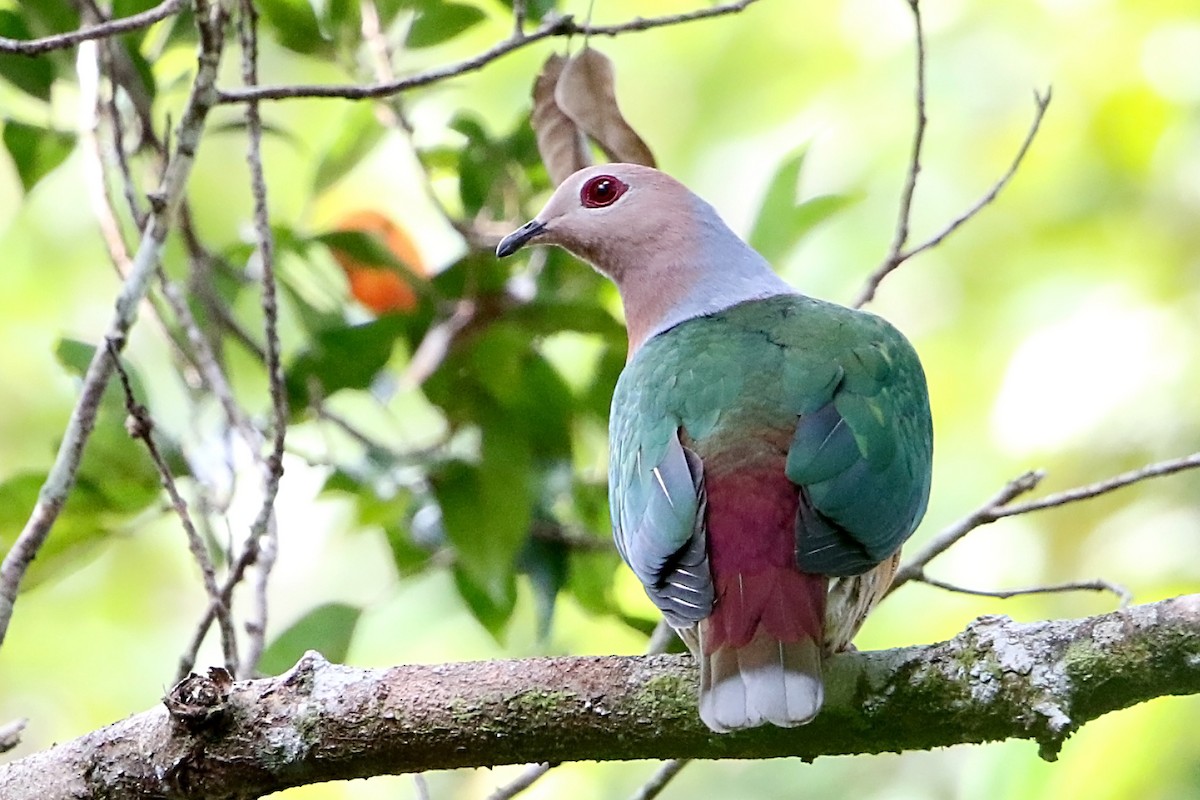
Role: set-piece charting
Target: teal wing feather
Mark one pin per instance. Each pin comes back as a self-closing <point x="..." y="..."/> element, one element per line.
<point x="849" y="383"/>
<point x="862" y="452"/>
<point x="656" y="498"/>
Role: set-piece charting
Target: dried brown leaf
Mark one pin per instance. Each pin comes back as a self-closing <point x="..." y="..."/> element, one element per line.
<point x="585" y="92"/>
<point x="563" y="146"/>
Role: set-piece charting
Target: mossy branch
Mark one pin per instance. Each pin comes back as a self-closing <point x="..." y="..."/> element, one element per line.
<point x="998" y="679"/>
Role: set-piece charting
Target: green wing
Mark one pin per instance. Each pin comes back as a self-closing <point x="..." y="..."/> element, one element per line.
<point x="861" y="455"/>
<point x="656" y="498"/>
<point x="846" y="382"/>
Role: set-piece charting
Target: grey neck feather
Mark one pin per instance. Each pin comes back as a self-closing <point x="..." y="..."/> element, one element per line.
<point x="728" y="272"/>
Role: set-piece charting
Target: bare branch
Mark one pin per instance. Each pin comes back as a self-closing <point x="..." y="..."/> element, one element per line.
<point x="996" y="680"/>
<point x="557" y="26"/>
<point x="904" y="214"/>
<point x="141" y="426"/>
<point x="10" y="734"/>
<point x="1155" y="470"/>
<point x="1042" y="102"/>
<point x="62" y="474"/>
<point x="263" y="530"/>
<point x="237" y="572"/>
<point x="1001" y="506"/>
<point x="981" y="516"/>
<point x="899" y="252"/>
<point x="518" y="8"/>
<point x="1098" y="585"/>
<point x="61" y="41"/>
<point x="658" y="643"/>
<point x="666" y="773"/>
<point x="522" y="782"/>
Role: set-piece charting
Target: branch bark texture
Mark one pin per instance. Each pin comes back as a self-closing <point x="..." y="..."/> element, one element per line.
<point x="996" y="680"/>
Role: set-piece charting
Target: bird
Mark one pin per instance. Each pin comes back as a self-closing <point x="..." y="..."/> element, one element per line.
<point x="769" y="452"/>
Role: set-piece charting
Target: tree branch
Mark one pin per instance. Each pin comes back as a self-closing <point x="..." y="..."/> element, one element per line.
<point x="995" y="680"/>
<point x="141" y="426"/>
<point x="10" y="734"/>
<point x="61" y="41"/>
<point x="899" y="252"/>
<point x="1001" y="505"/>
<point x="262" y="529"/>
<point x="554" y="26"/>
<point x="164" y="202"/>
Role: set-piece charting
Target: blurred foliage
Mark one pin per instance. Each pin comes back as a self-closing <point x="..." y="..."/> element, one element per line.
<point x="462" y="514"/>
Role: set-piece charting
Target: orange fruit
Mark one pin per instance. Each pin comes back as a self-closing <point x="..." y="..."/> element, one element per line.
<point x="377" y="287"/>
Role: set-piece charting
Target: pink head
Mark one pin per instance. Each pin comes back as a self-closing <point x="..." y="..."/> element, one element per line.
<point x="670" y="254"/>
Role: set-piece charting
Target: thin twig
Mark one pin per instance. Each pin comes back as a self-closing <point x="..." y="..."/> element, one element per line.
<point x="660" y="638"/>
<point x="435" y="345"/>
<point x="141" y="426"/>
<point x="518" y="9"/>
<point x="904" y="213"/>
<point x="421" y="786"/>
<point x="61" y="477"/>
<point x="899" y="252"/>
<point x="10" y="734"/>
<point x="263" y="528"/>
<point x="113" y="115"/>
<point x="61" y="41"/>
<point x="87" y="68"/>
<point x="660" y="641"/>
<point x="394" y="116"/>
<point x="1042" y="101"/>
<point x="558" y="26"/>
<point x="1154" y="470"/>
<point x="1001" y="505"/>
<point x="1098" y="585"/>
<point x="980" y="516"/>
<point x="656" y="784"/>
<point x="527" y="778"/>
<point x="238" y="571"/>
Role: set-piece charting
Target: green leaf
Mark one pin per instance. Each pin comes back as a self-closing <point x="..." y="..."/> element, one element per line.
<point x="339" y="20"/>
<point x="80" y="529"/>
<point x="357" y="136"/>
<point x="294" y="25"/>
<point x="440" y="22"/>
<point x="475" y="274"/>
<point x="141" y="67"/>
<point x="327" y="629"/>
<point x="545" y="316"/>
<point x="487" y="509"/>
<point x="348" y="357"/>
<point x="782" y="220"/>
<point x="35" y="151"/>
<point x="534" y="9"/>
<point x="590" y="579"/>
<point x="116" y="469"/>
<point x="493" y="611"/>
<point x="34" y="76"/>
<point x="545" y="562"/>
<point x="48" y="16"/>
<point x="126" y="8"/>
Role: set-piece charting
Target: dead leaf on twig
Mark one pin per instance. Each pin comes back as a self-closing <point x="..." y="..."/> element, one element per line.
<point x="585" y="93"/>
<point x="563" y="145"/>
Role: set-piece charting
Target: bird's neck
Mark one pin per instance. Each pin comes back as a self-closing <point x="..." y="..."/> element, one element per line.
<point x="709" y="271"/>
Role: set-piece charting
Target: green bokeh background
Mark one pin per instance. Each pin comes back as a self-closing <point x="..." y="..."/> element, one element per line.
<point x="1060" y="329"/>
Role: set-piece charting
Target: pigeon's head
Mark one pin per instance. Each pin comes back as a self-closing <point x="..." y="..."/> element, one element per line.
<point x="667" y="250"/>
<point x="610" y="215"/>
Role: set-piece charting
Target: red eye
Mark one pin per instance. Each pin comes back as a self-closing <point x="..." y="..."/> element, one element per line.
<point x="602" y="190"/>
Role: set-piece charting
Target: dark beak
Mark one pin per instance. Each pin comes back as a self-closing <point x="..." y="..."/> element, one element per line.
<point x="517" y="239"/>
